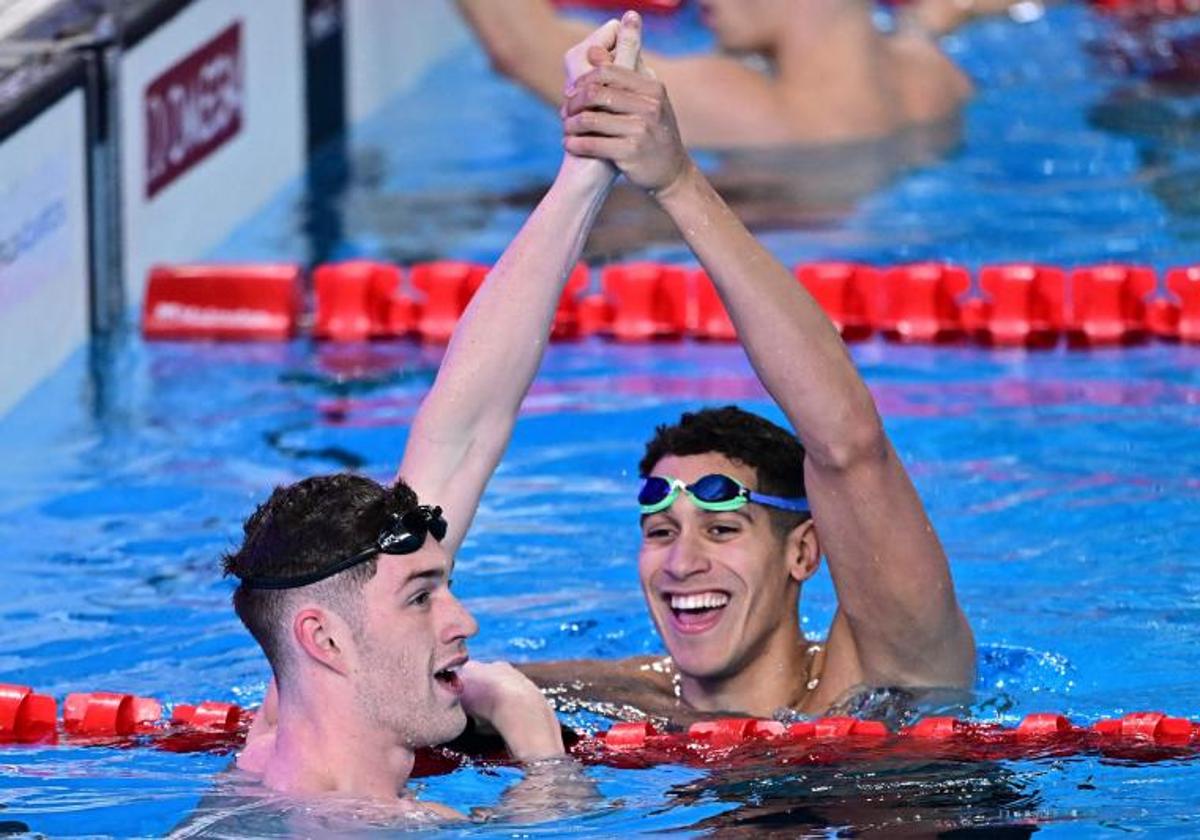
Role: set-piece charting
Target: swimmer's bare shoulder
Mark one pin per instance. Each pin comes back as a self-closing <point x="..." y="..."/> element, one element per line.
<point x="930" y="85"/>
<point x="239" y="805"/>
<point x="641" y="682"/>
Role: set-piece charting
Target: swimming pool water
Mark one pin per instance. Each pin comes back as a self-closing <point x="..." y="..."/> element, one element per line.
<point x="1064" y="485"/>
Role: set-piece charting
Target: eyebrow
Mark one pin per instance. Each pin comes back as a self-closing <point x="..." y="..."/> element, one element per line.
<point x="430" y="574"/>
<point x="743" y="512"/>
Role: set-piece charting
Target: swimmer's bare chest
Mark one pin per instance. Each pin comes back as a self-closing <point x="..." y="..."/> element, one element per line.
<point x="637" y="688"/>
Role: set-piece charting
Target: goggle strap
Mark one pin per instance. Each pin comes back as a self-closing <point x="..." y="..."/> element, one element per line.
<point x="429" y="516"/>
<point x="312" y="577"/>
<point x="796" y="505"/>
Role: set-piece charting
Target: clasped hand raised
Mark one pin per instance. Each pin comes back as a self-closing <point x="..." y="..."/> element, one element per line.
<point x="616" y="110"/>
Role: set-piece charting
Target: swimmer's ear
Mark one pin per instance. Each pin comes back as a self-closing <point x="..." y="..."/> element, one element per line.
<point x="317" y="632"/>
<point x="803" y="551"/>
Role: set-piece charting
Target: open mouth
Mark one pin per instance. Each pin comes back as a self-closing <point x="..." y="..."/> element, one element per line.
<point x="696" y="612"/>
<point x="449" y="679"/>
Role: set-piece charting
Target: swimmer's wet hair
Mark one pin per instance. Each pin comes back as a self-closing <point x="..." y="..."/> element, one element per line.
<point x="775" y="454"/>
<point x="302" y="528"/>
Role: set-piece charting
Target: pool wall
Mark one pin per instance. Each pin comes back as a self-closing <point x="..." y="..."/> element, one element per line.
<point x="215" y="114"/>
<point x="44" y="249"/>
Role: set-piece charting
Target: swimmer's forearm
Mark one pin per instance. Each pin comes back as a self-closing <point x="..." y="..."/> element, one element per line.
<point x="794" y="348"/>
<point x="500" y="340"/>
<point x="889" y="569"/>
<point x="550" y="790"/>
<point x="525" y="41"/>
<point x="466" y="420"/>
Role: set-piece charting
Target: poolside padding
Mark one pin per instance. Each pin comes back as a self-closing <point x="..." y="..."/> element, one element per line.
<point x="223" y="302"/>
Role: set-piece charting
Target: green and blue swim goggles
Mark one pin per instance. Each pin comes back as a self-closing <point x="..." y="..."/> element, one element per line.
<point x="714" y="492"/>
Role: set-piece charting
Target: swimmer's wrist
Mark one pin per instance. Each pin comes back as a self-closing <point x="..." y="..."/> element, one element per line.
<point x="535" y="741"/>
<point x="684" y="181"/>
<point x="531" y="734"/>
<point x="588" y="172"/>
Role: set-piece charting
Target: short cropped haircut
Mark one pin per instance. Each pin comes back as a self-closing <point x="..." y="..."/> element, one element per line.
<point x="775" y="454"/>
<point x="303" y="528"/>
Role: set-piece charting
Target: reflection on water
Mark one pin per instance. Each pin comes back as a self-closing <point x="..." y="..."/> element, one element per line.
<point x="871" y="799"/>
<point x="1063" y="484"/>
<point x="790" y="189"/>
<point x="1050" y="476"/>
<point x="1040" y="168"/>
<point x="805" y="188"/>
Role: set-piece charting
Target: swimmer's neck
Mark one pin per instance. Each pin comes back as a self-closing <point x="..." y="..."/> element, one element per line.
<point x="321" y="751"/>
<point x="775" y="678"/>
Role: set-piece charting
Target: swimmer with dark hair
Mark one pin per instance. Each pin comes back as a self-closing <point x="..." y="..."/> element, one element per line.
<point x="345" y="583"/>
<point x="735" y="512"/>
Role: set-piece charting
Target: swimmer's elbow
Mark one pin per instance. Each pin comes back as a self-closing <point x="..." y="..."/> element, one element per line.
<point x="860" y="440"/>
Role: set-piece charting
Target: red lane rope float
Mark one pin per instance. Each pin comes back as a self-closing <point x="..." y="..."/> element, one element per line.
<point x="357" y="300"/>
<point x="124" y="720"/>
<point x="1016" y="305"/>
<point x="25" y="716"/>
<point x="1024" y="306"/>
<point x="1146" y="736"/>
<point x="448" y="288"/>
<point x="114" y="719"/>
<point x="1180" y="320"/>
<point x="649" y="301"/>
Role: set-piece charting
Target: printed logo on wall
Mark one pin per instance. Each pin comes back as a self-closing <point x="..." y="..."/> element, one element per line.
<point x="34" y="241"/>
<point x="194" y="108"/>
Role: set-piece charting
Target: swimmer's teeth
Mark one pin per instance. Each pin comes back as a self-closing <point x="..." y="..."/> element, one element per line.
<point x="703" y="601"/>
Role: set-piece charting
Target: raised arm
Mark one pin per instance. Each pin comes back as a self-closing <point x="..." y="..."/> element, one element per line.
<point x="899" y="622"/>
<point x="525" y="40"/>
<point x="466" y="420"/>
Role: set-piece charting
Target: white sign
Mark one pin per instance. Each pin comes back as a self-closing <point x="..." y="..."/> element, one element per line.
<point x="212" y="107"/>
<point x="43" y="247"/>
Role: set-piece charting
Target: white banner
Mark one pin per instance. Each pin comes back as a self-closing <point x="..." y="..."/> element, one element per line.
<point x="43" y="247"/>
<point x="390" y="44"/>
<point x="212" y="126"/>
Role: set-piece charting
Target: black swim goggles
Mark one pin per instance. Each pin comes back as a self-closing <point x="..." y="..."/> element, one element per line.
<point x="713" y="492"/>
<point x="404" y="535"/>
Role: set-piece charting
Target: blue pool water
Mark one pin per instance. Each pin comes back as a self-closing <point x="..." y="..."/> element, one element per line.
<point x="1064" y="485"/>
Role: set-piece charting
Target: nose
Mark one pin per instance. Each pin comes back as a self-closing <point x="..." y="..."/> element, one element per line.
<point x="458" y="623"/>
<point x="686" y="556"/>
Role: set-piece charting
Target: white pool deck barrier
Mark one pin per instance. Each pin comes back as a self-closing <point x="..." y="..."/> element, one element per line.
<point x="127" y="158"/>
